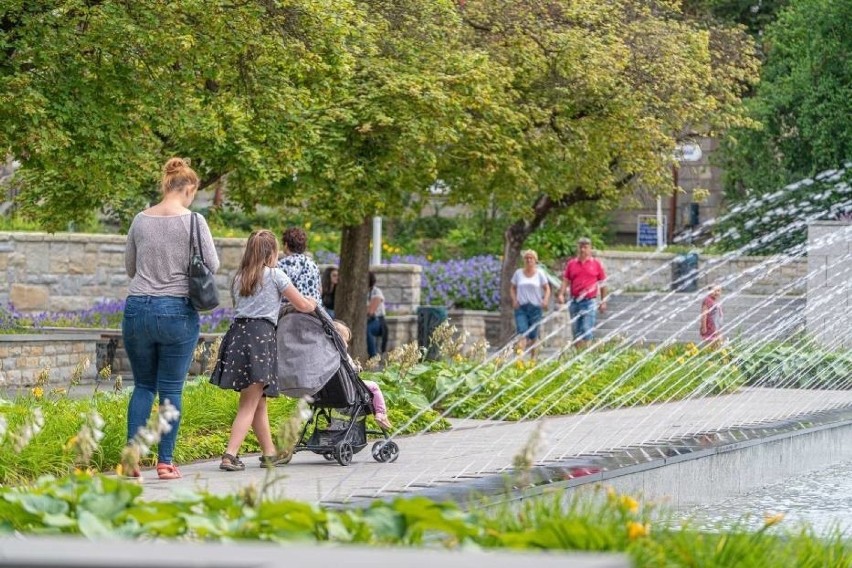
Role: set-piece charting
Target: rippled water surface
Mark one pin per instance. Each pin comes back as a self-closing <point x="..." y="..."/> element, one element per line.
<point x="823" y="499"/>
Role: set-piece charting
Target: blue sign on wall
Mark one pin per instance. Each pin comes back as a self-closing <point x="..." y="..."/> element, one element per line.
<point x="646" y="230"/>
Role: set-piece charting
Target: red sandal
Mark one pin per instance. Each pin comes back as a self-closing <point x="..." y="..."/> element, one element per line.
<point x="168" y="471"/>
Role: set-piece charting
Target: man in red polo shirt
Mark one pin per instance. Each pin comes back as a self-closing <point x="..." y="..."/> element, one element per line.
<point x="585" y="276"/>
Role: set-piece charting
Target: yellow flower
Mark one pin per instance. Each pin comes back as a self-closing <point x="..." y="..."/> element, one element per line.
<point x="72" y="441"/>
<point x="458" y="358"/>
<point x="637" y="530"/>
<point x="38" y="392"/>
<point x="629" y="503"/>
<point x="769" y="520"/>
<point x="681" y="360"/>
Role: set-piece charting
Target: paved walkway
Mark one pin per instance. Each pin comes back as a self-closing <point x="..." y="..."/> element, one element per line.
<point x="476" y="448"/>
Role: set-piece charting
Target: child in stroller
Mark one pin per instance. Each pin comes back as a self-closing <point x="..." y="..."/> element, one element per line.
<point x="380" y="409"/>
<point x="313" y="361"/>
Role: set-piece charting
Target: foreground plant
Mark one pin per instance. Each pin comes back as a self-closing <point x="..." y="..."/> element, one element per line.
<point x="97" y="506"/>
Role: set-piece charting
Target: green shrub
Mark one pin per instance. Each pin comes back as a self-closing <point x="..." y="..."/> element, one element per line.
<point x="600" y="521"/>
<point x="796" y="365"/>
<point x="207" y="414"/>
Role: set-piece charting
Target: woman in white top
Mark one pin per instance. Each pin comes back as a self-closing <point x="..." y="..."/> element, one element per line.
<point x="530" y="293"/>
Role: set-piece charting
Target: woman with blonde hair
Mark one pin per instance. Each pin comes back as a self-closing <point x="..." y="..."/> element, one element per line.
<point x="530" y="292"/>
<point x="160" y="327"/>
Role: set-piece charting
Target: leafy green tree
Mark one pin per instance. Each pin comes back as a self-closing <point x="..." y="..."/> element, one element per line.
<point x="419" y="102"/>
<point x="755" y="15"/>
<point x="95" y="95"/>
<point x="802" y="108"/>
<point x="344" y="109"/>
<point x="607" y="89"/>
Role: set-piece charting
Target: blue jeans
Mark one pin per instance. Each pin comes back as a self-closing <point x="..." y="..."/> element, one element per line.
<point x="584" y="315"/>
<point x="527" y="320"/>
<point x="377" y="327"/>
<point x="160" y="334"/>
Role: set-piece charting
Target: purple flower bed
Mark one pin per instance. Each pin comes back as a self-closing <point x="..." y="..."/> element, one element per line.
<point x="104" y="314"/>
<point x="470" y="283"/>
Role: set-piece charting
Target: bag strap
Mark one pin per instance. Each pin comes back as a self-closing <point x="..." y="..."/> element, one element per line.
<point x="195" y="244"/>
<point x="198" y="237"/>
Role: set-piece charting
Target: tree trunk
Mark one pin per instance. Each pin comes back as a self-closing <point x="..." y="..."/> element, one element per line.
<point x="350" y="298"/>
<point x="513" y="241"/>
<point x="219" y="192"/>
<point x="515" y="237"/>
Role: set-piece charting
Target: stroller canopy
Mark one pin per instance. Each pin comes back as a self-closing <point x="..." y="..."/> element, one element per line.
<point x="307" y="355"/>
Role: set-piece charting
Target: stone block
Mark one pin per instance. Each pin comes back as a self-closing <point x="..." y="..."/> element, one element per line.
<point x="112" y="248"/>
<point x="230" y="257"/>
<point x="839" y="272"/>
<point x="114" y="261"/>
<point x="85" y="263"/>
<point x="829" y="238"/>
<point x="13" y="378"/>
<point x="26" y="297"/>
<point x="38" y="260"/>
<point x="17" y="260"/>
<point x="817" y="269"/>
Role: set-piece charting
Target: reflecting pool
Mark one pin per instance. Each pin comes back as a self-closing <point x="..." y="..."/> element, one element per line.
<point x="823" y="499"/>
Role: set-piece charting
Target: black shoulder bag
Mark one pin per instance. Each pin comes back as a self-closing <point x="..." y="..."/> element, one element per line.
<point x="203" y="293"/>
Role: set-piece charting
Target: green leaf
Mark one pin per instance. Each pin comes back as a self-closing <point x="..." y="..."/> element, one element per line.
<point x="93" y="527"/>
<point x="38" y="504"/>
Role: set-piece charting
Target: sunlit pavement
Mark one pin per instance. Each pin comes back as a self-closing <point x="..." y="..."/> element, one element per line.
<point x="478" y="449"/>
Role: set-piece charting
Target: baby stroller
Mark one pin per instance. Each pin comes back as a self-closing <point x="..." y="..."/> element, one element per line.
<point x="313" y="362"/>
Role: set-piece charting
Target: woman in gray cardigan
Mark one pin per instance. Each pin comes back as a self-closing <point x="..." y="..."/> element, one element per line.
<point x="160" y="327"/>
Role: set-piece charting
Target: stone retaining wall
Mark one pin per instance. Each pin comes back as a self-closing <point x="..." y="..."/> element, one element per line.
<point x="72" y="271"/>
<point x="651" y="271"/>
<point x="24" y="357"/>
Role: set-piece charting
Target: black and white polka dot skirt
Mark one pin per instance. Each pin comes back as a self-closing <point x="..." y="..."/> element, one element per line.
<point x="248" y="355"/>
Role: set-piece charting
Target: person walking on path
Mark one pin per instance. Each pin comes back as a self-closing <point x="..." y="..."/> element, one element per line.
<point x="585" y="277"/>
<point x="248" y="357"/>
<point x="302" y="270"/>
<point x="329" y="287"/>
<point x="377" y="327"/>
<point x="530" y="291"/>
<point x="160" y="327"/>
<point x="710" y="323"/>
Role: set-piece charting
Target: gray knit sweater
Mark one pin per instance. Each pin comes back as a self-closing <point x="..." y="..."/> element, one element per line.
<point x="157" y="254"/>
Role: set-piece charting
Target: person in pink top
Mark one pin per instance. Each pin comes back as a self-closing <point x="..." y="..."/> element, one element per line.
<point x="585" y="277"/>
<point x="710" y="323"/>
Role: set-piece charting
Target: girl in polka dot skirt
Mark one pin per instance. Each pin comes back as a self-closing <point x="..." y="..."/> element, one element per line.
<point x="248" y="355"/>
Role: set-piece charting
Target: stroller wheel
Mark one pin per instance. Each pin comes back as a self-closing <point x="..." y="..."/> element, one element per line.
<point x="377" y="452"/>
<point x="329" y="456"/>
<point x="343" y="453"/>
<point x="385" y="451"/>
